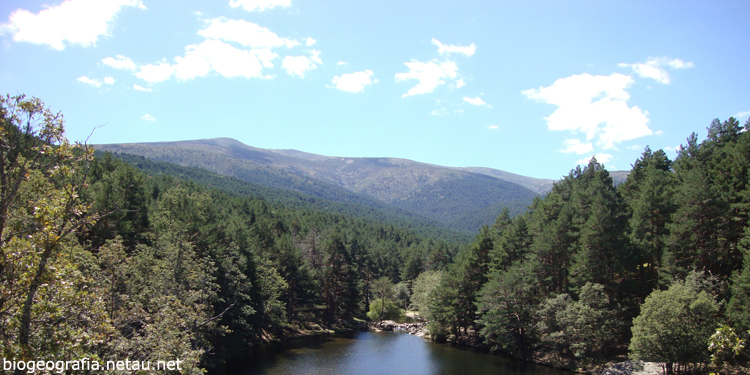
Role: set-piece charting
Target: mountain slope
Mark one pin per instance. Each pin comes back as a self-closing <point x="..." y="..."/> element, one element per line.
<point x="538" y="185"/>
<point x="440" y="193"/>
<point x="367" y="208"/>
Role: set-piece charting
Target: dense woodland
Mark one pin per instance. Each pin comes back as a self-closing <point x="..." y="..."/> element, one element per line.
<point x="100" y="260"/>
<point x="105" y="261"/>
<point x="653" y="267"/>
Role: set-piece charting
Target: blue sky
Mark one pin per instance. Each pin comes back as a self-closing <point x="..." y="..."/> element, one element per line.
<point x="532" y="87"/>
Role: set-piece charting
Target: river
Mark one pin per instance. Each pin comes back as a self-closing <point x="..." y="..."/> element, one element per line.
<point x="376" y="353"/>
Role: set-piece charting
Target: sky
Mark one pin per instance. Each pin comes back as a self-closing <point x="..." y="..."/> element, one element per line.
<point x="532" y="87"/>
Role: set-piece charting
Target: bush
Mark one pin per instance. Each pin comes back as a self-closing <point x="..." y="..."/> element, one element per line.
<point x="380" y="312"/>
<point x="674" y="327"/>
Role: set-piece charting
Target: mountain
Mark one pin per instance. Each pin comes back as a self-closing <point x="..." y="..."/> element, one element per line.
<point x="459" y="197"/>
<point x="360" y="207"/>
<point x="538" y="185"/>
<point x="619" y="177"/>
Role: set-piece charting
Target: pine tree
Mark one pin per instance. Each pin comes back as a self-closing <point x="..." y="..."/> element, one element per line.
<point x="696" y="240"/>
<point x="505" y="304"/>
<point x="649" y="193"/>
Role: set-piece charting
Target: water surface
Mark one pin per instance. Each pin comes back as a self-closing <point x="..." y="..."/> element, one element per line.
<point x="376" y="353"/>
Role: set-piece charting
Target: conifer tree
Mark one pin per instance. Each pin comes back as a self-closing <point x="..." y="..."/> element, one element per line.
<point x="649" y="194"/>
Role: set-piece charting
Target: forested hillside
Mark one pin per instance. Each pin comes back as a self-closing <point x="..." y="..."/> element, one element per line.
<point x="456" y="197"/>
<point x="102" y="261"/>
<point x="657" y="268"/>
<point x="364" y="208"/>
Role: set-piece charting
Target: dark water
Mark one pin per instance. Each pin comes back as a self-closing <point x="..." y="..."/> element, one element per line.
<point x="371" y="353"/>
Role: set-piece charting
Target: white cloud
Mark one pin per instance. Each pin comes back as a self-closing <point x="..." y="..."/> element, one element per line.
<point x="672" y="149"/>
<point x="741" y="115"/>
<point x="460" y="83"/>
<point x="197" y="60"/>
<point x="119" y="62"/>
<point x="141" y="88"/>
<point x="659" y="132"/>
<point x="215" y="54"/>
<point x="576" y="146"/>
<point x="678" y="64"/>
<point x="310" y="41"/>
<point x="221" y="57"/>
<point x="75" y="21"/>
<point x="655" y="68"/>
<point x="315" y="56"/>
<point x="450" y="48"/>
<point x="354" y="82"/>
<point x="492" y="127"/>
<point x="601" y="158"/>
<point x="90" y="81"/>
<point x="265" y="56"/>
<point x="245" y="33"/>
<point x="635" y="147"/>
<point x="158" y="72"/>
<point x="201" y="59"/>
<point x="297" y="65"/>
<point x="430" y="75"/>
<point x="594" y="105"/>
<point x="476" y="101"/>
<point x="261" y="5"/>
<point x="148" y="117"/>
<point x="439" y="112"/>
<point x="459" y="111"/>
<point x="341" y="63"/>
<point x="96" y="82"/>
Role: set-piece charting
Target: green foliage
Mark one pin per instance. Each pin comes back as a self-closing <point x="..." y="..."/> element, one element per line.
<point x="585" y="329"/>
<point x="725" y="345"/>
<point x="504" y="305"/>
<point x="609" y="246"/>
<point x="649" y="192"/>
<point x="511" y="241"/>
<point x="738" y="310"/>
<point x="338" y="282"/>
<point x="674" y="326"/>
<point x="384" y="310"/>
<point x="42" y="284"/>
<point x="120" y="195"/>
<point x="422" y="289"/>
<point x="401" y="295"/>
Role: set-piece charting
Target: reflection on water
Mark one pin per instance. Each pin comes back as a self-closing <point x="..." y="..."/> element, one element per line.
<point x="374" y="353"/>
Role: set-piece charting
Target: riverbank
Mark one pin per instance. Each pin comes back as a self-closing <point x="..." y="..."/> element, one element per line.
<point x="417" y="329"/>
<point x="309" y="329"/>
<point x="625" y="367"/>
<point x="634" y="368"/>
<point x="375" y="353"/>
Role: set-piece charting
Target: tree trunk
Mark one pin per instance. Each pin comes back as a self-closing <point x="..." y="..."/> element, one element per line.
<point x="24" y="334"/>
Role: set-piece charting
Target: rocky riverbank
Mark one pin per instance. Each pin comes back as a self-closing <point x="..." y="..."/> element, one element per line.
<point x="634" y="368"/>
<point x="417" y="329"/>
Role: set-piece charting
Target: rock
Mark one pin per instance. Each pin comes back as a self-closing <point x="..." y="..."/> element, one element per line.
<point x="389" y="325"/>
<point x="634" y="368"/>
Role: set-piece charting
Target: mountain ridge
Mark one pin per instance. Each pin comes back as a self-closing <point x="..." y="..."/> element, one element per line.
<point x="535" y="184"/>
<point x="450" y="195"/>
